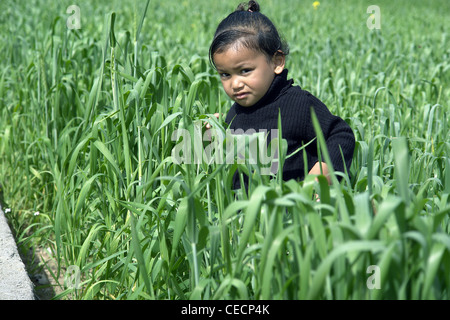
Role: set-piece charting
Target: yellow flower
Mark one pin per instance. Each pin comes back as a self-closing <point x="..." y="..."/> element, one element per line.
<point x="316" y="4"/>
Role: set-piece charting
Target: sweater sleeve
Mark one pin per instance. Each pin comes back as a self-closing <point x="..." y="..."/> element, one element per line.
<point x="337" y="133"/>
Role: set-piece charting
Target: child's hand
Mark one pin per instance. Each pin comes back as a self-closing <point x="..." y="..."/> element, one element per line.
<point x="315" y="170"/>
<point x="208" y="126"/>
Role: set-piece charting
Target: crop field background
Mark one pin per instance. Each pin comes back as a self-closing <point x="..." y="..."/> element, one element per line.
<point x="87" y="123"/>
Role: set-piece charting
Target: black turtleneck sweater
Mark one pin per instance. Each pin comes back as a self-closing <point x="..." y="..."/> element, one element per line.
<point x="297" y="127"/>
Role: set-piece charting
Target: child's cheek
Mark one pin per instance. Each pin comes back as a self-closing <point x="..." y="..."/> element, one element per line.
<point x="228" y="91"/>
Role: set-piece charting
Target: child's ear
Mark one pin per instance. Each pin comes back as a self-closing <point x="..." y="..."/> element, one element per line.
<point x="279" y="61"/>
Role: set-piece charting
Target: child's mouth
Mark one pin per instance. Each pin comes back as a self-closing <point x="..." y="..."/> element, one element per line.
<point x="241" y="96"/>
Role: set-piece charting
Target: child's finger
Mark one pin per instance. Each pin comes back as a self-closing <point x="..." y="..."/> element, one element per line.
<point x="316" y="197"/>
<point x="208" y="125"/>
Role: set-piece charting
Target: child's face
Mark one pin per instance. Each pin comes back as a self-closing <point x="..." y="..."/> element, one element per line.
<point x="246" y="74"/>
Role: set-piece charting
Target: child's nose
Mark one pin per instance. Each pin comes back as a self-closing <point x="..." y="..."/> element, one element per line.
<point x="237" y="83"/>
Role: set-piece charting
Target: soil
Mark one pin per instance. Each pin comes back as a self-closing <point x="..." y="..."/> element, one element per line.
<point x="39" y="263"/>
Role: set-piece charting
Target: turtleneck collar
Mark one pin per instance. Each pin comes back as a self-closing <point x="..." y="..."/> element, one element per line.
<point x="279" y="85"/>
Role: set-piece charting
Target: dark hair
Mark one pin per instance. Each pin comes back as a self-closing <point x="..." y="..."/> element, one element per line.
<point x="248" y="27"/>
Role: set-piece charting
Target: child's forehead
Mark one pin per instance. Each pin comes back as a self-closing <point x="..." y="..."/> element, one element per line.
<point x="236" y="55"/>
<point x="240" y="47"/>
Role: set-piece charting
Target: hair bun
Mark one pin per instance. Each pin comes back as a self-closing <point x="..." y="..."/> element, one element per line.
<point x="251" y="6"/>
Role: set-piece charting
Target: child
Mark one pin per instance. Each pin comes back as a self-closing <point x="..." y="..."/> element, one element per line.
<point x="249" y="55"/>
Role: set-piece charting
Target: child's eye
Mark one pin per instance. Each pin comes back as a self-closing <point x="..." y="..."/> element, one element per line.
<point x="244" y="71"/>
<point x="224" y="75"/>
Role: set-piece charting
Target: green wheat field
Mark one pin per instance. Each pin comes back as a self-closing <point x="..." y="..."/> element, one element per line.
<point x="87" y="124"/>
